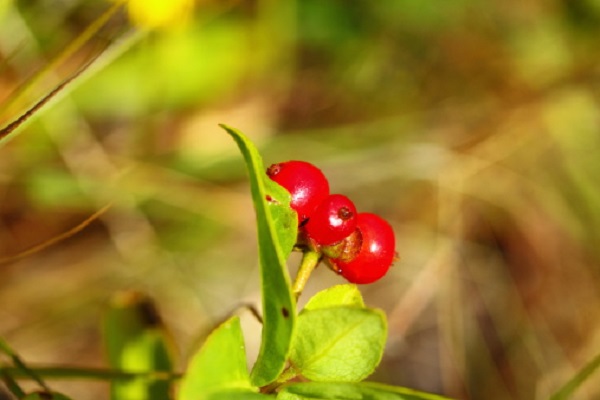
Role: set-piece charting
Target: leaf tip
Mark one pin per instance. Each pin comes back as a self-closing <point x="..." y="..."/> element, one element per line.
<point x="226" y="127"/>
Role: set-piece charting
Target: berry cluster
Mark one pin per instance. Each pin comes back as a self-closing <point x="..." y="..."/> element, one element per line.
<point x="358" y="246"/>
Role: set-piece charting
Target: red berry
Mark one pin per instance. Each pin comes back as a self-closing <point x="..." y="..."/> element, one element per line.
<point x="305" y="182"/>
<point x="332" y="221"/>
<point x="376" y="253"/>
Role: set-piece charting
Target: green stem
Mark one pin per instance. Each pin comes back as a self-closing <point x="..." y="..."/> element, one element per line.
<point x="20" y="365"/>
<point x="567" y="391"/>
<point x="12" y="386"/>
<point x="310" y="260"/>
<point x="87" y="373"/>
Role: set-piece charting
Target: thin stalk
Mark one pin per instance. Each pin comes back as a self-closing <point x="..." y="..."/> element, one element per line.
<point x="12" y="386"/>
<point x="52" y="241"/>
<point x="569" y="388"/>
<point x="87" y="373"/>
<point x="310" y="260"/>
<point x="90" y="67"/>
<point x="20" y="365"/>
<point x="67" y="52"/>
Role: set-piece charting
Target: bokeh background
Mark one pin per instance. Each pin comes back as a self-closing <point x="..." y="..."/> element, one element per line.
<point x="472" y="126"/>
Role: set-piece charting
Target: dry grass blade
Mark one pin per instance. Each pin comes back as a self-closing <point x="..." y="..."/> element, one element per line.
<point x="71" y="49"/>
<point x="57" y="239"/>
<point x="10" y="128"/>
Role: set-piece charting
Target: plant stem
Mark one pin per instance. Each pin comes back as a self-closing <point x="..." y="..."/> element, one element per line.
<point x="569" y="388"/>
<point x="67" y="52"/>
<point x="87" y="373"/>
<point x="310" y="260"/>
<point x="20" y="365"/>
<point x="13" y="386"/>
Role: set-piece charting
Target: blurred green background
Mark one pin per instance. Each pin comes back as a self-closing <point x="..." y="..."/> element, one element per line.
<point x="472" y="126"/>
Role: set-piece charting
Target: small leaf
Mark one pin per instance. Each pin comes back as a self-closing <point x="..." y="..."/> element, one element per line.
<point x="339" y="343"/>
<point x="277" y="231"/>
<point x="137" y="341"/>
<point x="220" y="365"/>
<point x="338" y="295"/>
<point x="363" y="390"/>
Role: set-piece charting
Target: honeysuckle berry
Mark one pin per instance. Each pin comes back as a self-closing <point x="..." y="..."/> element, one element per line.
<point x="332" y="221"/>
<point x="306" y="184"/>
<point x="376" y="253"/>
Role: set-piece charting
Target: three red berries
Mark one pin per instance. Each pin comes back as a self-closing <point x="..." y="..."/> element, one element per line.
<point x="358" y="246"/>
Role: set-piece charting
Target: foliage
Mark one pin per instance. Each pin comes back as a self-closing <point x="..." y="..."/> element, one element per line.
<point x="472" y="125"/>
<point x="337" y="339"/>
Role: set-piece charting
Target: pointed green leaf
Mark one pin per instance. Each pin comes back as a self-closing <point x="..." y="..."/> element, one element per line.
<point x="137" y="341"/>
<point x="219" y="366"/>
<point x="363" y="390"/>
<point x="338" y="344"/>
<point x="276" y="213"/>
<point x="338" y="295"/>
<point x="277" y="231"/>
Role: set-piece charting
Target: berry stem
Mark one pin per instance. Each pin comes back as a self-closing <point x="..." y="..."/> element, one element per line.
<point x="310" y="259"/>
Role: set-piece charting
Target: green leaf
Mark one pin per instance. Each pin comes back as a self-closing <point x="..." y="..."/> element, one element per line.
<point x="277" y="212"/>
<point x="277" y="231"/>
<point x="347" y="391"/>
<point x="567" y="391"/>
<point x="137" y="341"/>
<point x="338" y="295"/>
<point x="219" y="366"/>
<point x="339" y="343"/>
<point x="283" y="216"/>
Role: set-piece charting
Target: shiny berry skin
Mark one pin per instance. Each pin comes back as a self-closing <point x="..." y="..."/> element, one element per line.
<point x="305" y="182"/>
<point x="376" y="254"/>
<point x="332" y="221"/>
